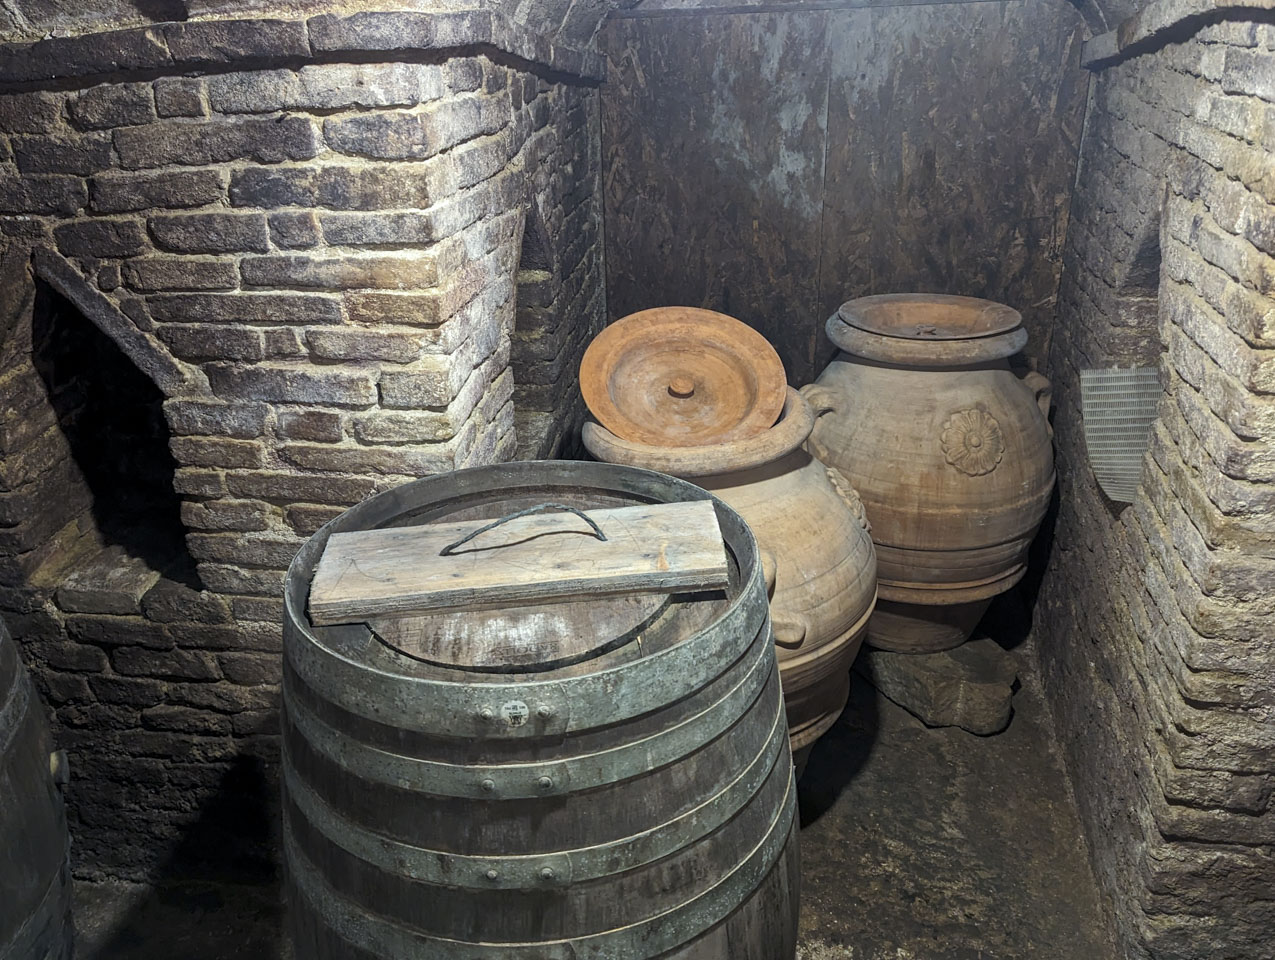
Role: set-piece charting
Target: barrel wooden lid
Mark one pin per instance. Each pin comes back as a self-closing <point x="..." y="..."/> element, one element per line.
<point x="682" y="376"/>
<point x="522" y="639"/>
<point x="539" y="588"/>
<point x="625" y="674"/>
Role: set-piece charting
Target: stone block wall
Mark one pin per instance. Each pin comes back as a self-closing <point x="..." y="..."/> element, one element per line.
<point x="1157" y="619"/>
<point x="314" y="260"/>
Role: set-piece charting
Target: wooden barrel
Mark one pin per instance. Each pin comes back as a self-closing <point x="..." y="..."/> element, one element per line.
<point x="35" y="883"/>
<point x="638" y="803"/>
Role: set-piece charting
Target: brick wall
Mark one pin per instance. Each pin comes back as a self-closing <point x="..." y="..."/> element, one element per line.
<point x="316" y="264"/>
<point x="566" y="21"/>
<point x="1157" y="620"/>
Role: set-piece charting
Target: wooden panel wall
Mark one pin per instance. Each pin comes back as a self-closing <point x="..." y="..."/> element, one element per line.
<point x="774" y="164"/>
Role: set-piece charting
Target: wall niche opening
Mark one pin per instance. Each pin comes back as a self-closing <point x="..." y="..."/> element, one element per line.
<point x="1119" y="400"/>
<point x="111" y="417"/>
<point x="536" y="343"/>
<point x="1137" y="303"/>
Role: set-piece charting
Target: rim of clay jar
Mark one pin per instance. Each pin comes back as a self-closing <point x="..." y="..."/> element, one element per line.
<point x="790" y="431"/>
<point x="927" y="329"/>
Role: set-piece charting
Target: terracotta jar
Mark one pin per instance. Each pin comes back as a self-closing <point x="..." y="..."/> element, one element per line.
<point x="816" y="551"/>
<point x="949" y="449"/>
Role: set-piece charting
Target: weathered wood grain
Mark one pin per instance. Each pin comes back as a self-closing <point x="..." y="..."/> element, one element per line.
<point x="538" y="558"/>
<point x="713" y="143"/>
<point x="773" y="165"/>
<point x="952" y="139"/>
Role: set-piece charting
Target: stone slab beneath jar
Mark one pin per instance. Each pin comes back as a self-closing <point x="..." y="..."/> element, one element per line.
<point x="971" y="686"/>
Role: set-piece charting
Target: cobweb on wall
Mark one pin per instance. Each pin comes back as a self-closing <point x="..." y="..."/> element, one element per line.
<point x="1119" y="407"/>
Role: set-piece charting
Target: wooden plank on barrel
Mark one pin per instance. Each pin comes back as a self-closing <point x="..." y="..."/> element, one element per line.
<point x="540" y="558"/>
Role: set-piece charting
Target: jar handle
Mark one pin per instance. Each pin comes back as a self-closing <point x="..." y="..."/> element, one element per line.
<point x="1043" y="390"/>
<point x="821" y="398"/>
<point x="790" y="630"/>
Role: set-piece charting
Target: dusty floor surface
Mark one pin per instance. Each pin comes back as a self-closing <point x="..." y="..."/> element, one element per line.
<point x="917" y="844"/>
<point x="922" y="844"/>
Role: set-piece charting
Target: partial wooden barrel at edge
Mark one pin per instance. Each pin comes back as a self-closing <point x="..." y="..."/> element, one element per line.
<point x="35" y="886"/>
<point x="639" y="804"/>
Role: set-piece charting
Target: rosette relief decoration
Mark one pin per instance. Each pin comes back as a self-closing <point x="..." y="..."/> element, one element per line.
<point x="972" y="441"/>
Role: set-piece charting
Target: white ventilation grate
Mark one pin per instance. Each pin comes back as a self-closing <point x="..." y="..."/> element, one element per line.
<point x="1119" y="408"/>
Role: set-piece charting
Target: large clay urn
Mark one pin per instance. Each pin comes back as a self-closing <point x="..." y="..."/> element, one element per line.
<point x="949" y="449"/>
<point x="815" y="546"/>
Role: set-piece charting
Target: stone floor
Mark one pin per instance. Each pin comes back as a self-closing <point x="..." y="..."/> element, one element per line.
<point x="935" y="844"/>
<point x="918" y="844"/>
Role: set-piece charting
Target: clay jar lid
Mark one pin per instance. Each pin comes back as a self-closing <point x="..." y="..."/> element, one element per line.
<point x="927" y="329"/>
<point x="794" y="426"/>
<point x="682" y="376"/>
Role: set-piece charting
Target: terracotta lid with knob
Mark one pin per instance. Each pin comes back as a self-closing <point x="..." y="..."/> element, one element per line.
<point x="682" y="376"/>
